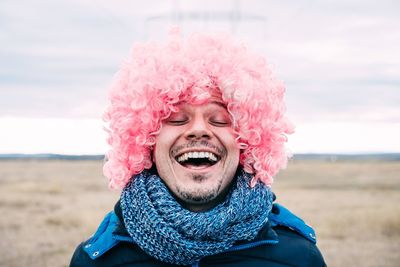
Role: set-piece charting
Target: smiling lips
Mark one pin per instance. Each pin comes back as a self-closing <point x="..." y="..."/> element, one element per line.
<point x="196" y="160"/>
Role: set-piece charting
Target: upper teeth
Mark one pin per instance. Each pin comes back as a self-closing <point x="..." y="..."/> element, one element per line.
<point x="196" y="155"/>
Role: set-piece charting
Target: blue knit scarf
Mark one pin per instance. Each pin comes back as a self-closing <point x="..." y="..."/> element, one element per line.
<point x="162" y="228"/>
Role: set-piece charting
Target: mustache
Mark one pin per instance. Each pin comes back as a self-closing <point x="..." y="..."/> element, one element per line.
<point x="198" y="144"/>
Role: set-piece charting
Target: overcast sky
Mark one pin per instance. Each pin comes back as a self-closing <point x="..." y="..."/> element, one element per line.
<point x="340" y="61"/>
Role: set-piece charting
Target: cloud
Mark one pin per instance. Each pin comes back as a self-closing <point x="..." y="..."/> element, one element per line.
<point x="339" y="59"/>
<point x="85" y="136"/>
<point x="345" y="137"/>
<point x="65" y="136"/>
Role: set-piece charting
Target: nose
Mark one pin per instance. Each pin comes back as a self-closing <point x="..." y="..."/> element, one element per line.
<point x="198" y="129"/>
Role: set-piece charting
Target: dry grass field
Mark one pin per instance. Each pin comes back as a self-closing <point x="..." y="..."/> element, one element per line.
<point x="48" y="207"/>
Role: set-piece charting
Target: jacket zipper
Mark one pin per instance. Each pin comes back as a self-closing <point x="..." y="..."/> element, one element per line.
<point x="244" y="246"/>
<point x="252" y="245"/>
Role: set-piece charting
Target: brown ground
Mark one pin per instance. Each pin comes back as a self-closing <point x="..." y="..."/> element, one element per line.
<point x="48" y="207"/>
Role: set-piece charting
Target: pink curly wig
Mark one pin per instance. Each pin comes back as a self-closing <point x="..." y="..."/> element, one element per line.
<point x="156" y="77"/>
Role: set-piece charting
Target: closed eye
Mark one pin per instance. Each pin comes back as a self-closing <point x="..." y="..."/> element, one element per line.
<point x="177" y="119"/>
<point x="176" y="122"/>
<point x="220" y="123"/>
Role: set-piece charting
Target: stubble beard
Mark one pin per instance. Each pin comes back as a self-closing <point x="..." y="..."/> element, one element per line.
<point x="199" y="196"/>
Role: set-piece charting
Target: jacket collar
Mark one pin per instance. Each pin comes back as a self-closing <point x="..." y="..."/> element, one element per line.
<point x="120" y="229"/>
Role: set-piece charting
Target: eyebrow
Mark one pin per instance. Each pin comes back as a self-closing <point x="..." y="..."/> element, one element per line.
<point x="219" y="103"/>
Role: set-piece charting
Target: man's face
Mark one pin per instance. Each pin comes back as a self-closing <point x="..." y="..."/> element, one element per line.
<point x="196" y="153"/>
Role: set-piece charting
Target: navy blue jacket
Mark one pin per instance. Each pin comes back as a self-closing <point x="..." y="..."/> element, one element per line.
<point x="284" y="241"/>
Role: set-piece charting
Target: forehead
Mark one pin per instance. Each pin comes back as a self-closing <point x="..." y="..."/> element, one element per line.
<point x="207" y="106"/>
<point x="213" y="97"/>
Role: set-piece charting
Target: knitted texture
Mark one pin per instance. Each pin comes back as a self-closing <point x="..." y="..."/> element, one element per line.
<point x="162" y="228"/>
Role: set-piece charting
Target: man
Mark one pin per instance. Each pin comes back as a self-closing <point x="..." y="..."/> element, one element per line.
<point x="197" y="131"/>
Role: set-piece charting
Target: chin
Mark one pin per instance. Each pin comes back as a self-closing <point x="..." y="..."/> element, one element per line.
<point x="197" y="197"/>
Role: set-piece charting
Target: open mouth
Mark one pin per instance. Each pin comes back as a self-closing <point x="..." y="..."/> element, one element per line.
<point x="197" y="159"/>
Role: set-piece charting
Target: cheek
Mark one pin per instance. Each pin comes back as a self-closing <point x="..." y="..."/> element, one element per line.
<point x="233" y="152"/>
<point x="229" y="139"/>
<point x="160" y="152"/>
<point x="234" y="156"/>
<point x="164" y="142"/>
<point x="161" y="160"/>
